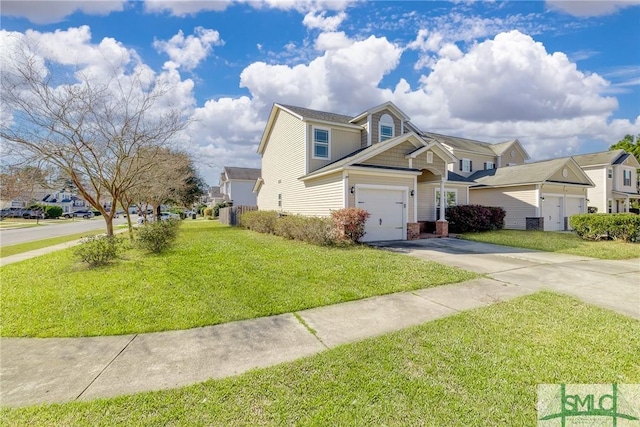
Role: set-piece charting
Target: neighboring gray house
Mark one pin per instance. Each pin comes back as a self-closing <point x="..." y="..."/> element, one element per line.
<point x="236" y="185"/>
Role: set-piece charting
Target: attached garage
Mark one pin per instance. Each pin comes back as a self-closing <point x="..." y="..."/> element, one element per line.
<point x="574" y="206"/>
<point x="387" y="207"/>
<point x="552" y="213"/>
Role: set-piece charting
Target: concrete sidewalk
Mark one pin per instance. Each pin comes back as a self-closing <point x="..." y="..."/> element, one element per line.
<point x="66" y="369"/>
<point x="51" y="370"/>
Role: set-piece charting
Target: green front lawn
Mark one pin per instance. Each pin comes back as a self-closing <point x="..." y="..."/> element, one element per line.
<point x="214" y="274"/>
<point x="478" y="368"/>
<point x="566" y="243"/>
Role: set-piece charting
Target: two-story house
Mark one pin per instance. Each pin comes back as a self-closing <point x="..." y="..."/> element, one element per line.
<point x="616" y="179"/>
<point x="314" y="162"/>
<point x="236" y="185"/>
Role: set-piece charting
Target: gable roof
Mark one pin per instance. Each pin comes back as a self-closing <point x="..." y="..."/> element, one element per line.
<point x="603" y="158"/>
<point x="244" y="174"/>
<point x="385" y="106"/>
<point x="357" y="157"/>
<point x="474" y="146"/>
<point x="309" y="114"/>
<point x="528" y="173"/>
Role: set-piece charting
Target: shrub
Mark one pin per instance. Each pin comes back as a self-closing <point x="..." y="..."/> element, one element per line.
<point x="157" y="236"/>
<point x="349" y="223"/>
<point x="98" y="250"/>
<point x="464" y="218"/>
<point x="260" y="221"/>
<point x="208" y="212"/>
<point x="314" y="230"/>
<point x="620" y="226"/>
<point x="52" y="212"/>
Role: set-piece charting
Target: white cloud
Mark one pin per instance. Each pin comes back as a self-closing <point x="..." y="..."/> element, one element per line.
<point x="184" y="8"/>
<point x="332" y="41"/>
<point x="188" y="52"/>
<point x="513" y="78"/>
<point x="346" y="76"/>
<point x="319" y="20"/>
<point x="586" y="8"/>
<point x="47" y="12"/>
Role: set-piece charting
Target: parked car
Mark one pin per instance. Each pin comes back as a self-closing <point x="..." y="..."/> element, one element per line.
<point x="22" y="213"/>
<point x="81" y="213"/>
<point x="168" y="215"/>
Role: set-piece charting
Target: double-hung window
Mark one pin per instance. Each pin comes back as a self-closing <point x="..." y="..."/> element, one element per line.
<point x="466" y="165"/>
<point x="627" y="177"/>
<point x="320" y="143"/>
<point x="489" y="165"/>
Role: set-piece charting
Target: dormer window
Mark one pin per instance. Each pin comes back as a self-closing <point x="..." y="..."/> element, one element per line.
<point x="320" y="143"/>
<point x="386" y="128"/>
<point x="489" y="165"/>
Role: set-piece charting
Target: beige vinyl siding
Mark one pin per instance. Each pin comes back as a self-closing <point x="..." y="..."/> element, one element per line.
<point x="364" y="135"/>
<point x="519" y="203"/>
<point x="477" y="162"/>
<point x="427" y="198"/>
<point x="560" y="189"/>
<point x="438" y="164"/>
<point x="283" y="161"/>
<point x="506" y="158"/>
<point x="394" y="157"/>
<point x="618" y="177"/>
<point x="598" y="195"/>
<point x="341" y="143"/>
<point x="317" y="197"/>
<point x="572" y="176"/>
<point x="397" y="181"/>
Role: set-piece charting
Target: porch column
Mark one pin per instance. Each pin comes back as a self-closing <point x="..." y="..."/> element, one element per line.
<point x="443" y="200"/>
<point x="442" y="226"/>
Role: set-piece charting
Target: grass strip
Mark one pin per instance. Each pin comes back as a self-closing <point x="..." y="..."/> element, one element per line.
<point x="44" y="243"/>
<point x="214" y="274"/>
<point x="477" y="368"/>
<point x="566" y="243"/>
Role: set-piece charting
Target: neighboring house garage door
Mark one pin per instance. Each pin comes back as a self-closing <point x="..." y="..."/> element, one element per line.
<point x="552" y="213"/>
<point x="574" y="207"/>
<point x="387" y="213"/>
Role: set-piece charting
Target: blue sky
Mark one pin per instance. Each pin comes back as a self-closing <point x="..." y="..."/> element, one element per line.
<point x="561" y="76"/>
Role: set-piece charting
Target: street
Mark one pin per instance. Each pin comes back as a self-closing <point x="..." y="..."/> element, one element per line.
<point x="61" y="228"/>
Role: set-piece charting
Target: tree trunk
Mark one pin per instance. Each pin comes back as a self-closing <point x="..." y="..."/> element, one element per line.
<point x="109" y="222"/>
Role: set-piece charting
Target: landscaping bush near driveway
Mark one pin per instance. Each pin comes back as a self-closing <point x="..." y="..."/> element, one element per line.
<point x="212" y="274"/>
<point x="477" y="368"/>
<point x="99" y="250"/>
<point x="616" y="226"/>
<point x="464" y="218"/>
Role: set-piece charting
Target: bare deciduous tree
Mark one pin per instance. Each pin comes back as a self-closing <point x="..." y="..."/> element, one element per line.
<point x="93" y="129"/>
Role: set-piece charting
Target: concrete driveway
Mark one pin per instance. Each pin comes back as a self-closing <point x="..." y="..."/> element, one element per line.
<point x="611" y="284"/>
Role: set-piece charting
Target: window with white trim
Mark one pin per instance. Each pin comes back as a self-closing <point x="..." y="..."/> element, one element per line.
<point x="429" y="156"/>
<point x="452" y="198"/>
<point x="609" y="173"/>
<point x="489" y="165"/>
<point x="466" y="165"/>
<point x="386" y="128"/>
<point x="626" y="178"/>
<point x="321" y="140"/>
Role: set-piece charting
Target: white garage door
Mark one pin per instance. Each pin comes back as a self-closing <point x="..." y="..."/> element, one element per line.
<point x="552" y="213"/>
<point x="387" y="213"/>
<point x="574" y="207"/>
